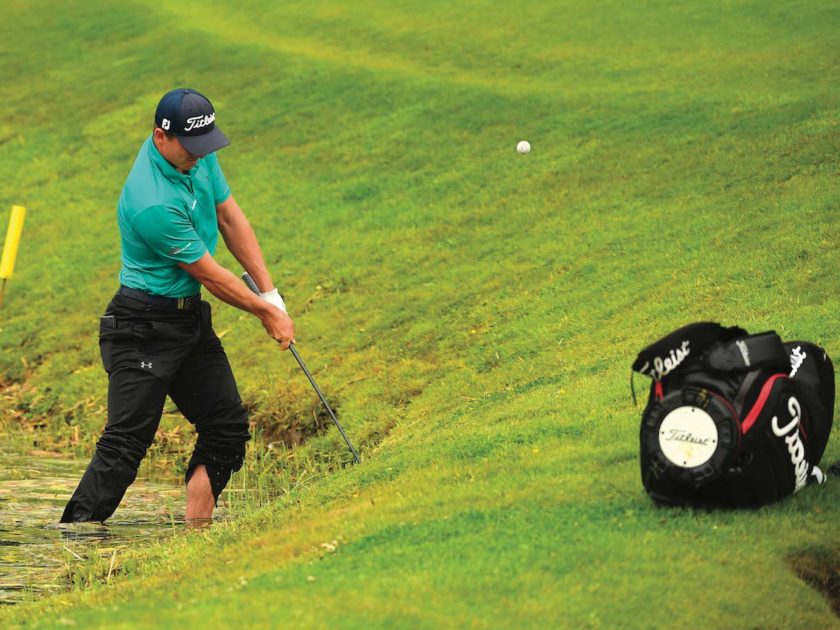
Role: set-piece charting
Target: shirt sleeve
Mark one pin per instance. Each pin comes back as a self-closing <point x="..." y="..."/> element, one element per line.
<point x="221" y="190"/>
<point x="168" y="231"/>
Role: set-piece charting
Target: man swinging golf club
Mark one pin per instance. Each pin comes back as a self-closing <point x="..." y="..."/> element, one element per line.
<point x="156" y="337"/>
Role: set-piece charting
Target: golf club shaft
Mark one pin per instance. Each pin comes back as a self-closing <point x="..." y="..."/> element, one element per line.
<point x="246" y="278"/>
<point x="324" y="400"/>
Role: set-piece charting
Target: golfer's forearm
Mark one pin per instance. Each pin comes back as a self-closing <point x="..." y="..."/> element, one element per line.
<point x="242" y="242"/>
<point x="226" y="286"/>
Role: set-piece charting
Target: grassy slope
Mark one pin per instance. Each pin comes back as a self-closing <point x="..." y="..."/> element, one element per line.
<point x="475" y="312"/>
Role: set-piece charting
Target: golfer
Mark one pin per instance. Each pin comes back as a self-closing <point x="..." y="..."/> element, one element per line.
<point x="156" y="337"/>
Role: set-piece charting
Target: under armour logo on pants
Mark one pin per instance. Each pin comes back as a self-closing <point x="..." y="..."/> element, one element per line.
<point x="143" y="364"/>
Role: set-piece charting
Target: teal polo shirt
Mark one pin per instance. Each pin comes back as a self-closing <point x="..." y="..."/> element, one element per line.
<point x="167" y="217"/>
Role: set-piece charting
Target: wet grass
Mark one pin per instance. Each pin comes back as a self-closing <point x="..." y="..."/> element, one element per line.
<point x="37" y="557"/>
<point x="473" y="312"/>
<point x="820" y="568"/>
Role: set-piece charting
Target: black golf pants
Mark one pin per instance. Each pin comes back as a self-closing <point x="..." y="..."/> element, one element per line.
<point x="150" y="352"/>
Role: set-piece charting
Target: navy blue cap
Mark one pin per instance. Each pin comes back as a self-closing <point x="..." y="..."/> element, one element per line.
<point x="190" y="116"/>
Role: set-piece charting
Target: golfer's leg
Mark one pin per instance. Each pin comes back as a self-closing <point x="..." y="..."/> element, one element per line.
<point x="200" y="499"/>
<point x="205" y="391"/>
<point x="135" y="403"/>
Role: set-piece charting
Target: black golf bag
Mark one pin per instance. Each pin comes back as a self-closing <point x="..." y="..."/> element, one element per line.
<point x="733" y="419"/>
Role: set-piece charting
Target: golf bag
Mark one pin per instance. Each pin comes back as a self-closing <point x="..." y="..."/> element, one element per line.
<point x="733" y="419"/>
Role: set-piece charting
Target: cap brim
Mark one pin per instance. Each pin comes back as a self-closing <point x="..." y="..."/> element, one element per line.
<point x="206" y="143"/>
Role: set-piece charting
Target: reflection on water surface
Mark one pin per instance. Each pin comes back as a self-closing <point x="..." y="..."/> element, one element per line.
<point x="35" y="551"/>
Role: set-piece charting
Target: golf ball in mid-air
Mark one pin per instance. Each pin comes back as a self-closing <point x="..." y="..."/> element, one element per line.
<point x="524" y="146"/>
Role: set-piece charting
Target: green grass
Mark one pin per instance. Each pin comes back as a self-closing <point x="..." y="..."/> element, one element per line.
<point x="472" y="312"/>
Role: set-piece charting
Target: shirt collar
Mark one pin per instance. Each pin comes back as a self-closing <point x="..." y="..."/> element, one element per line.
<point x="169" y="171"/>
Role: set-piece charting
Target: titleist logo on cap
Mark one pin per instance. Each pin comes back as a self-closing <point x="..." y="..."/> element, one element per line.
<point x="190" y="116"/>
<point x="197" y="122"/>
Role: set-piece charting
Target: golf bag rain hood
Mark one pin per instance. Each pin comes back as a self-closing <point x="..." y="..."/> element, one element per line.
<point x="733" y="419"/>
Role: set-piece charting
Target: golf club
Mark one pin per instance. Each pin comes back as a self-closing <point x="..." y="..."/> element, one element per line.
<point x="249" y="281"/>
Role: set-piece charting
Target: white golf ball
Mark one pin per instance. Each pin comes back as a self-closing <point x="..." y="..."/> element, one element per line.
<point x="524" y="146"/>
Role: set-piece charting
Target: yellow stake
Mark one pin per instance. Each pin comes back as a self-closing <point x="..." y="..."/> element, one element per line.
<point x="10" y="249"/>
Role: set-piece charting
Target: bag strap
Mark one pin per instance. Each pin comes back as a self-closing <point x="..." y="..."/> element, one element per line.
<point x="763" y="350"/>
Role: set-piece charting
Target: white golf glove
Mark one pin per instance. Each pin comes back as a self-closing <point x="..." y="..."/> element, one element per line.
<point x="273" y="297"/>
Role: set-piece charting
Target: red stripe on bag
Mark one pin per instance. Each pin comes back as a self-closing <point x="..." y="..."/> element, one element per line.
<point x="757" y="408"/>
<point x="657" y="390"/>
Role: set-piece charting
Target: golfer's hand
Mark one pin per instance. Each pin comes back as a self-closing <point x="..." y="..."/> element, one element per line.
<point x="274" y="298"/>
<point x="279" y="327"/>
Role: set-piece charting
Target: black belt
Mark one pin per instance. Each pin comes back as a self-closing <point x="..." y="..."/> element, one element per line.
<point x="183" y="304"/>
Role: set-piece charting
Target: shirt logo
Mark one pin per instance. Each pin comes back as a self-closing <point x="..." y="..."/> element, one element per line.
<point x="197" y="122"/>
<point x="174" y="251"/>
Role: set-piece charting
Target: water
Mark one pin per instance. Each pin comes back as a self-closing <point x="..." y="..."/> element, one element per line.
<point x="35" y="552"/>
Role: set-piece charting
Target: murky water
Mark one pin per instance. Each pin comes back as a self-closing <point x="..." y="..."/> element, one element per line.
<point x="35" y="552"/>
